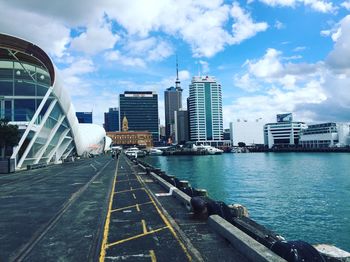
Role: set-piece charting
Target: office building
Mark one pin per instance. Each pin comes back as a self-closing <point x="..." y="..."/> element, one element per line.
<point x="33" y="98"/>
<point x="84" y="117"/>
<point x="141" y="110"/>
<point x="205" y="111"/>
<point x="326" y="135"/>
<point x="181" y="126"/>
<point x="111" y="120"/>
<point x="247" y="131"/>
<point x="283" y="133"/>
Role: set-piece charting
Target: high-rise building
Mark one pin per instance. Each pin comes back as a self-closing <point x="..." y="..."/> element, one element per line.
<point x="172" y="101"/>
<point x="205" y="110"/>
<point x="112" y="120"/>
<point x="141" y="110"/>
<point x="181" y="126"/>
<point x="84" y="117"/>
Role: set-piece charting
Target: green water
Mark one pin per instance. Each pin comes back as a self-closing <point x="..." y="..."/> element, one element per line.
<point x="302" y="196"/>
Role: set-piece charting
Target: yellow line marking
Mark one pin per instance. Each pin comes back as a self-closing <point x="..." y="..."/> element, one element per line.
<point x="153" y="256"/>
<point x="129" y="190"/>
<point x="166" y="221"/>
<point x="133" y="195"/>
<point x="135" y="237"/>
<point x="128" y="207"/>
<point x="144" y="228"/>
<point x="106" y="229"/>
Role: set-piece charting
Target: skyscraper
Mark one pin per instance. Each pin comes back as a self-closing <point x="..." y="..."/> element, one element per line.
<point x="205" y="110"/>
<point x="84" y="117"/>
<point x="172" y="100"/>
<point x="112" y="120"/>
<point x="141" y="110"/>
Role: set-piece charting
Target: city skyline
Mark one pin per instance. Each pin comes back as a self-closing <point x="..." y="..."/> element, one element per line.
<point x="268" y="56"/>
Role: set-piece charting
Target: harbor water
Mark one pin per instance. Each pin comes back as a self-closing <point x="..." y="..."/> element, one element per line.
<point x="302" y="196"/>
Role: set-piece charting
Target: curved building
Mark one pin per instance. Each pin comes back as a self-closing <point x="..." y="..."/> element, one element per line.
<point x="32" y="96"/>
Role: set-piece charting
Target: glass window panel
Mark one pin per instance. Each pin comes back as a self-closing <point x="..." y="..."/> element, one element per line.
<point x="6" y="73"/>
<point x="41" y="90"/>
<point x="6" y="88"/>
<point x="24" y="109"/>
<point x="23" y="88"/>
<point x="8" y="110"/>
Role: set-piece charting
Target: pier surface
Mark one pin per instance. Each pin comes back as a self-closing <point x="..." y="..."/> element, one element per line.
<point x="102" y="209"/>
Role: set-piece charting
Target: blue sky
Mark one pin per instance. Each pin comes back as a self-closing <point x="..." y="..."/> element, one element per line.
<point x="270" y="56"/>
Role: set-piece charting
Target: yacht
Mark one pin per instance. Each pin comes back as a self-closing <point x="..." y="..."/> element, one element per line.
<point x="210" y="149"/>
<point x="155" y="152"/>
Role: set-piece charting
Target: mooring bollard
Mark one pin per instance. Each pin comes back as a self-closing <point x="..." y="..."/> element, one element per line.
<point x="201" y="192"/>
<point x="183" y="183"/>
<point x="239" y="210"/>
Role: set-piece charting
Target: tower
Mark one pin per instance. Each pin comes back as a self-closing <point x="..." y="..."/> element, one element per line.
<point x="125" y="124"/>
<point x="173" y="102"/>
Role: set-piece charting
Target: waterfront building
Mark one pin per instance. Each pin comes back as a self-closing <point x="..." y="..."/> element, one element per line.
<point x="172" y="103"/>
<point x="141" y="110"/>
<point x="326" y="135"/>
<point x="84" y="117"/>
<point x="249" y="132"/>
<point x="111" y="120"/>
<point x="33" y="98"/>
<point x="181" y="126"/>
<point x="283" y="133"/>
<point x="205" y="111"/>
<point x="130" y="138"/>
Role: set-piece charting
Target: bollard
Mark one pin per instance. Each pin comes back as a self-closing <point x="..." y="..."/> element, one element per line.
<point x="239" y="210"/>
<point x="183" y="183"/>
<point x="200" y="192"/>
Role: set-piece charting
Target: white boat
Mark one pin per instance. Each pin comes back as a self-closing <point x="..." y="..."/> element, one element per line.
<point x="134" y="152"/>
<point x="155" y="152"/>
<point x="210" y="149"/>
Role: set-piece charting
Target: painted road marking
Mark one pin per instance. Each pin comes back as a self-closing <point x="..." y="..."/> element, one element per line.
<point x="153" y="256"/>
<point x="106" y="229"/>
<point x="144" y="228"/>
<point x="133" y="195"/>
<point x="129" y="190"/>
<point x="135" y="237"/>
<point x="137" y="206"/>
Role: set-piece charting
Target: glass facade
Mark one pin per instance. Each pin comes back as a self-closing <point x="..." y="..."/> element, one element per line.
<point x="141" y="111"/>
<point x="112" y="120"/>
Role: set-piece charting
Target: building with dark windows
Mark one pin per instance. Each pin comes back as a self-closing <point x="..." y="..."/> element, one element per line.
<point x="172" y="103"/>
<point x="181" y="126"/>
<point x="141" y="110"/>
<point x="33" y="98"/>
<point x="112" y="120"/>
<point x="284" y="133"/>
<point x="205" y="111"/>
<point x="84" y="117"/>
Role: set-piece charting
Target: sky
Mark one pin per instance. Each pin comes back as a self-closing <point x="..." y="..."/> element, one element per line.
<point x="270" y="56"/>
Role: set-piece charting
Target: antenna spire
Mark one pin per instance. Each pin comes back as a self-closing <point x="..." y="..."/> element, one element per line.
<point x="177" y="82"/>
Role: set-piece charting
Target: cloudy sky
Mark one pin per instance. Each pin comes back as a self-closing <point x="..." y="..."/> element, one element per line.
<point x="270" y="56"/>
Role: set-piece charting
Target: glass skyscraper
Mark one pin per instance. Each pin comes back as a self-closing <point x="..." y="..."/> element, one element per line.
<point x="205" y="110"/>
<point x="84" y="117"/>
<point x="141" y="110"/>
<point x="112" y="120"/>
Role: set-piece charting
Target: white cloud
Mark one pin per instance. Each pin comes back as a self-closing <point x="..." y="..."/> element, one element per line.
<point x="124" y="60"/>
<point x="339" y="57"/>
<point x="346" y="4"/>
<point x="279" y="25"/>
<point x="49" y="34"/>
<point x="97" y="38"/>
<point x="299" y="48"/>
<point x="204" y="67"/>
<point x="267" y="67"/>
<point x="243" y="26"/>
<point x="316" y="5"/>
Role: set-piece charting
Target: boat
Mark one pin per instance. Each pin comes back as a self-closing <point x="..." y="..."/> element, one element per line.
<point x="155" y="152"/>
<point x="135" y="152"/>
<point x="210" y="149"/>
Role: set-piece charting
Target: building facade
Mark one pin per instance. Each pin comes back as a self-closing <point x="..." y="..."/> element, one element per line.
<point x="33" y="98"/>
<point x="205" y="111"/>
<point x="326" y="135"/>
<point x="249" y="132"/>
<point x="181" y="126"/>
<point x="84" y="117"/>
<point x="142" y="139"/>
<point x="283" y="133"/>
<point x="112" y="120"/>
<point x="141" y="110"/>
